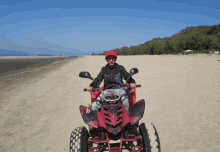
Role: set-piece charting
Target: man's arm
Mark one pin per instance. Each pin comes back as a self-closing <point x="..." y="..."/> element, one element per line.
<point x="98" y="79"/>
<point x="125" y="76"/>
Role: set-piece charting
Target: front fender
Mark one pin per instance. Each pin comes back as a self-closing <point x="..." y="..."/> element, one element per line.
<point x="136" y="112"/>
<point x="89" y="118"/>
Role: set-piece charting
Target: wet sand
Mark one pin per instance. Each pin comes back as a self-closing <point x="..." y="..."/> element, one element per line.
<point x="11" y="65"/>
<point x="182" y="95"/>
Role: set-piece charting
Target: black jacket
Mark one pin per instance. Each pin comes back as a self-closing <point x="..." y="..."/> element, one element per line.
<point x="112" y="77"/>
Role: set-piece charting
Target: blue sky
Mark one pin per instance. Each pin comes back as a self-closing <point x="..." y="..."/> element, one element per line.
<point x="81" y="27"/>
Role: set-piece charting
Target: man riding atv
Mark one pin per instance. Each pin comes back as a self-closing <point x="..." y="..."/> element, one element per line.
<point x="112" y="74"/>
<point x="110" y="117"/>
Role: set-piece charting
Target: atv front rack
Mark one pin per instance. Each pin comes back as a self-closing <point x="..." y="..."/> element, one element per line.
<point x="115" y="148"/>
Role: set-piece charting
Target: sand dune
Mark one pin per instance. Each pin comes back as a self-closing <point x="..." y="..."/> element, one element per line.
<point x="182" y="95"/>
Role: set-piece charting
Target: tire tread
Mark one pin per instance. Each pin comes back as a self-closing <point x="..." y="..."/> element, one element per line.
<point x="79" y="139"/>
<point x="151" y="142"/>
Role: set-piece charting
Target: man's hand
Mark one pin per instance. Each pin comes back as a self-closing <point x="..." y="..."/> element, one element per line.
<point x="89" y="88"/>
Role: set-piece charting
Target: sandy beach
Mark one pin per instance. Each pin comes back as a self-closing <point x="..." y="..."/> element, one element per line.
<point x="182" y="95"/>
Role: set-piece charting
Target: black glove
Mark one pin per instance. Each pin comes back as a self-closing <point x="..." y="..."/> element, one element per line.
<point x="128" y="89"/>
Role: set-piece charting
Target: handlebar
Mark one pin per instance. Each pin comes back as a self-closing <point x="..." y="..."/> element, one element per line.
<point x="94" y="89"/>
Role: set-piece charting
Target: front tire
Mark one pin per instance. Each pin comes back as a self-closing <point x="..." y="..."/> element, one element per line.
<point x="150" y="138"/>
<point x="79" y="140"/>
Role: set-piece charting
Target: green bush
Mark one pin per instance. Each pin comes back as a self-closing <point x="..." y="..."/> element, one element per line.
<point x="200" y="39"/>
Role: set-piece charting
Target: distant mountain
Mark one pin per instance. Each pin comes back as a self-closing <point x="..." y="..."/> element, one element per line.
<point x="20" y="47"/>
<point x="4" y="52"/>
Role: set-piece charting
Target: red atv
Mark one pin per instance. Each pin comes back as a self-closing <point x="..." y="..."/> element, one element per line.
<point x="113" y="120"/>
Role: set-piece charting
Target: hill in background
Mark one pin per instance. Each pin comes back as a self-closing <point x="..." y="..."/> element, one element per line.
<point x="199" y="39"/>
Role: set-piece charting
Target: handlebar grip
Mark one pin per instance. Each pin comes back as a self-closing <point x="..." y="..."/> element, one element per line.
<point x="138" y="85"/>
<point x="85" y="89"/>
<point x="93" y="89"/>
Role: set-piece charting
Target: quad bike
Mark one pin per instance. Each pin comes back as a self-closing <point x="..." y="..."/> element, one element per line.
<point x="113" y="119"/>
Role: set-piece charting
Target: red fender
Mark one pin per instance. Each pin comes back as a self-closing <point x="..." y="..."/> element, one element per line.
<point x="89" y="118"/>
<point x="136" y="112"/>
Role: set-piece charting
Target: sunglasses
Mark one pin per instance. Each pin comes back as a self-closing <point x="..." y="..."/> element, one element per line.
<point x="113" y="58"/>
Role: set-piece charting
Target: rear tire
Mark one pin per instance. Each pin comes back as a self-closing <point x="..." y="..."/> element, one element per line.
<point x="79" y="140"/>
<point x="150" y="138"/>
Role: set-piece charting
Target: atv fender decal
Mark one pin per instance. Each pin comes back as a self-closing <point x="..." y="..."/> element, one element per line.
<point x="136" y="112"/>
<point x="89" y="117"/>
<point x="101" y="118"/>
